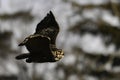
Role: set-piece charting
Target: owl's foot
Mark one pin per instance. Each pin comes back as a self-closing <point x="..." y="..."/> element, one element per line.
<point x="58" y="54"/>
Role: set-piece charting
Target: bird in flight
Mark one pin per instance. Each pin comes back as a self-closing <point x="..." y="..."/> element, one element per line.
<point x="42" y="44"/>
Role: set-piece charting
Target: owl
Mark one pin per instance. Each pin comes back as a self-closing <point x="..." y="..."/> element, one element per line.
<point x="42" y="44"/>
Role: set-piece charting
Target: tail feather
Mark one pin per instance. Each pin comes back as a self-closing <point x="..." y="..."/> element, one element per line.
<point x="22" y="56"/>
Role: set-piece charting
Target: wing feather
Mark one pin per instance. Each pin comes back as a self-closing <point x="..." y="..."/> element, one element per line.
<point x="48" y="22"/>
<point x="49" y="27"/>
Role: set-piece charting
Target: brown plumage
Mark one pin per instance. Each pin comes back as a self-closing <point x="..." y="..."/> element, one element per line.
<point x="41" y="44"/>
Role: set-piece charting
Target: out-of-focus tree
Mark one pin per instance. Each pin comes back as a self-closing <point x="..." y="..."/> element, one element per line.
<point x="96" y="22"/>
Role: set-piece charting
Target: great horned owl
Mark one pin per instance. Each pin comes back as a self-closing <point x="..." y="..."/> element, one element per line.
<point x="41" y="45"/>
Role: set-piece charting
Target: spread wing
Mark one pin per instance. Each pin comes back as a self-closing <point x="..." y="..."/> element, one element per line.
<point x="48" y="27"/>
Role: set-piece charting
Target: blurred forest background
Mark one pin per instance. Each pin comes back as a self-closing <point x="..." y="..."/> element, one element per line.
<point x="89" y="36"/>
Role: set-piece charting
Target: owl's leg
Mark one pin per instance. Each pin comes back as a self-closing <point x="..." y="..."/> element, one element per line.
<point x="58" y="54"/>
<point x="22" y="56"/>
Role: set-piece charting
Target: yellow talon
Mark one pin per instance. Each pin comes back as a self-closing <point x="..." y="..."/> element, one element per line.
<point x="56" y="59"/>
